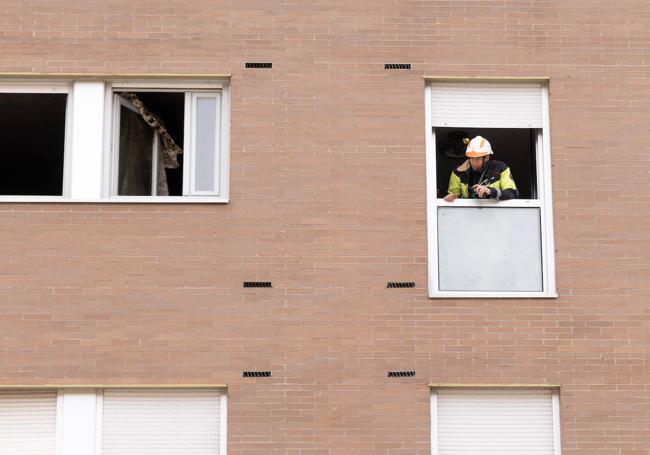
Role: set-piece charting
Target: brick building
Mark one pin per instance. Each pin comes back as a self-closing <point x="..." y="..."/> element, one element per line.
<point x="120" y="302"/>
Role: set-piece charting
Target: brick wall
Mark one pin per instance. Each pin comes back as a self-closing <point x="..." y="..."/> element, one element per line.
<point x="328" y="202"/>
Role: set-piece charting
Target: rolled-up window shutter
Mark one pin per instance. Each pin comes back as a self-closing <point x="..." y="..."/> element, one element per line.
<point x="154" y="422"/>
<point x="494" y="421"/>
<point x="28" y="422"/>
<point x="468" y="104"/>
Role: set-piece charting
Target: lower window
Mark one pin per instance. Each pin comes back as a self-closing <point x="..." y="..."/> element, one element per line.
<point x="500" y="421"/>
<point x="113" y="421"/>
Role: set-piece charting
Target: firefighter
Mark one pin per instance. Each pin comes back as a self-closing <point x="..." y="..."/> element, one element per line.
<point x="479" y="177"/>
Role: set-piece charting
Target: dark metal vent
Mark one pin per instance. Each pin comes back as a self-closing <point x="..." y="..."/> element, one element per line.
<point x="259" y="65"/>
<point x="257" y="374"/>
<point x="401" y="374"/>
<point x="400" y="284"/>
<point x="397" y="66"/>
<point x="257" y="284"/>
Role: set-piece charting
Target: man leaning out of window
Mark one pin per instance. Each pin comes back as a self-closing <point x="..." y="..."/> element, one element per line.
<point x="479" y="177"/>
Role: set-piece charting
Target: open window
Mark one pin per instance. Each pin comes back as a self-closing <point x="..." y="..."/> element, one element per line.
<point x="32" y="133"/>
<point x="154" y="139"/>
<point x="490" y="248"/>
<point x="167" y="143"/>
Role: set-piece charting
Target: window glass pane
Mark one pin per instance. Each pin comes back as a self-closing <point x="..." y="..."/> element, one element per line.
<point x="32" y="133"/>
<point x="136" y="147"/>
<point x="489" y="249"/>
<point x="206" y="124"/>
<point x="153" y="422"/>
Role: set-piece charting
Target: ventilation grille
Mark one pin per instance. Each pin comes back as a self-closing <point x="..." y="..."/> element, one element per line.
<point x="401" y="374"/>
<point x="400" y="284"/>
<point x="259" y="65"/>
<point x="257" y="284"/>
<point x="397" y="66"/>
<point x="257" y="374"/>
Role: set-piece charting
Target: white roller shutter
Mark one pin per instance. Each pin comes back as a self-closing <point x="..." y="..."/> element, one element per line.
<point x="468" y="104"/>
<point x="494" y="422"/>
<point x="28" y="422"/>
<point x="170" y="422"/>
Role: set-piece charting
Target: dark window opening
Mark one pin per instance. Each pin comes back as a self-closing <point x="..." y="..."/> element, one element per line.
<point x="141" y="170"/>
<point x="32" y="133"/>
<point x="513" y="146"/>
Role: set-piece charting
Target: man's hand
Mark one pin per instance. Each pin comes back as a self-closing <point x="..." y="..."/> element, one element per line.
<point x="482" y="190"/>
<point x="451" y="197"/>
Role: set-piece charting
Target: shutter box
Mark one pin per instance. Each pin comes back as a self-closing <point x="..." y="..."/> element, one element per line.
<point x="494" y="104"/>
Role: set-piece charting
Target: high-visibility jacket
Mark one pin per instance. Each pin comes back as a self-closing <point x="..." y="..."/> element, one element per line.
<point x="496" y="175"/>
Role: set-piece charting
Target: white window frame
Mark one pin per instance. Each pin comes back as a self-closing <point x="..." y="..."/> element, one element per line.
<point x="192" y="90"/>
<point x="555" y="400"/>
<point x="45" y="86"/>
<point x="223" y="424"/>
<point x="189" y="177"/>
<point x="544" y="202"/>
<point x="88" y="162"/>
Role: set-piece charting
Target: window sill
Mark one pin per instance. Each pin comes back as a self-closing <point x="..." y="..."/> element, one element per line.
<point x="489" y="203"/>
<point x="117" y="200"/>
<point x="492" y="295"/>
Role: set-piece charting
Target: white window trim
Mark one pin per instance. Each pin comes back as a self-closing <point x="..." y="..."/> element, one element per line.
<point x="45" y="86"/>
<point x="189" y="183"/>
<point x="223" y="431"/>
<point x="223" y="417"/>
<point x="171" y="83"/>
<point x="544" y="202"/>
<point x="192" y="89"/>
<point x="555" y="400"/>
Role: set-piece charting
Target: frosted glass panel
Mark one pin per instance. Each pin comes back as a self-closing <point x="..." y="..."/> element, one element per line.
<point x="489" y="249"/>
<point x="206" y="124"/>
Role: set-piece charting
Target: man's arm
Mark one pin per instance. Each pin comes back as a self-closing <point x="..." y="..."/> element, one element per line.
<point x="507" y="188"/>
<point x="453" y="191"/>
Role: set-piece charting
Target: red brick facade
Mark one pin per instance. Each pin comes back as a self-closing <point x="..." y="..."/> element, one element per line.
<point x="328" y="201"/>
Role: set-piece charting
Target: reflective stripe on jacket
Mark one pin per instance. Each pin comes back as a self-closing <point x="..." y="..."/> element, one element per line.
<point x="498" y="177"/>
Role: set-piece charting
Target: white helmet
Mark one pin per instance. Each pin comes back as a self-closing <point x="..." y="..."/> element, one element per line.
<point x="479" y="146"/>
